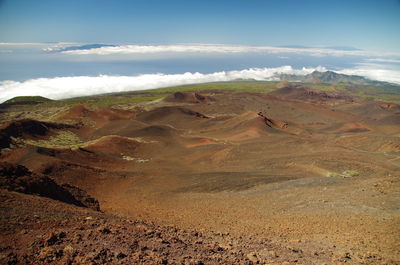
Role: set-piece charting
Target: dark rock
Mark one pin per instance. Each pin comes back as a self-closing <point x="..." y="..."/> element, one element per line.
<point x="55" y="238"/>
<point x="105" y="230"/>
<point x="104" y="256"/>
<point x="18" y="178"/>
<point x="121" y="255"/>
<point x="83" y="197"/>
<point x="11" y="259"/>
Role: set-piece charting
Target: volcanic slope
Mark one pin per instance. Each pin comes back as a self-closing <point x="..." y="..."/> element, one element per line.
<point x="301" y="167"/>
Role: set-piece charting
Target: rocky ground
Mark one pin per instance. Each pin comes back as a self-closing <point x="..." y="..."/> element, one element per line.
<point x="294" y="176"/>
<point x="37" y="230"/>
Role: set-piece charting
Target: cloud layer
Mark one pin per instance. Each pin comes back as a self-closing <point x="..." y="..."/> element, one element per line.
<point x="210" y="48"/>
<point x="374" y="72"/>
<point x="67" y="87"/>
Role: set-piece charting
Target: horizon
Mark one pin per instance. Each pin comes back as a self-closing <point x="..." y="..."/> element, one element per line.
<point x="367" y="25"/>
<point x="43" y="42"/>
<point x="200" y="132"/>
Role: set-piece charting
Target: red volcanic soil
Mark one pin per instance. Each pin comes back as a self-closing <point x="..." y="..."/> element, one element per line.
<point x="96" y="117"/>
<point x="187" y="97"/>
<point x="113" y="145"/>
<point x="170" y="115"/>
<point x="59" y="233"/>
<point x="295" y="176"/>
<point x="353" y="127"/>
<point x="98" y="114"/>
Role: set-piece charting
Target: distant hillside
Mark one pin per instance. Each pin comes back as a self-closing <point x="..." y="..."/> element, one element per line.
<point x="83" y="47"/>
<point x="330" y="77"/>
<point x="24" y="100"/>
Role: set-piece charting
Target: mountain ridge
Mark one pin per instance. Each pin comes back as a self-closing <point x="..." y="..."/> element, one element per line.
<point x="331" y="77"/>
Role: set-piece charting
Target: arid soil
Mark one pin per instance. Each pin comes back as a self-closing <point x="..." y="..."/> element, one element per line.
<point x="289" y="177"/>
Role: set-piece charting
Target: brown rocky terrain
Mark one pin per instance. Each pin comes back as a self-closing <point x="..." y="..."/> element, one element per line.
<point x="294" y="176"/>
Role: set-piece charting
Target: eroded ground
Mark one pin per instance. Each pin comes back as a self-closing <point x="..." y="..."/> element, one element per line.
<point x="292" y="175"/>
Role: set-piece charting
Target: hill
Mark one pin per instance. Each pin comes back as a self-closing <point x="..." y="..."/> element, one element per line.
<point x="233" y="172"/>
<point x="330" y="77"/>
<point x="26" y="100"/>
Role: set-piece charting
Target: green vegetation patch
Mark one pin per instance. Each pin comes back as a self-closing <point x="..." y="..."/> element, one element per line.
<point x="378" y="92"/>
<point x="326" y="87"/>
<point x="31" y="99"/>
<point x="385" y="92"/>
<point x="63" y="139"/>
<point x="238" y="86"/>
<point x="155" y="94"/>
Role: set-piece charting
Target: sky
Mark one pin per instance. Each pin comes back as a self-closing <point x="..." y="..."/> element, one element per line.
<point x="67" y="48"/>
<point x="364" y="24"/>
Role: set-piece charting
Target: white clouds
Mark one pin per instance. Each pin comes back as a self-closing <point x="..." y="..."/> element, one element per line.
<point x="146" y="49"/>
<point x="66" y="87"/>
<point x="104" y="50"/>
<point x="384" y="60"/>
<point x="374" y="72"/>
<point x="58" y="44"/>
<point x="200" y="48"/>
<point x="213" y="48"/>
<point x="21" y="44"/>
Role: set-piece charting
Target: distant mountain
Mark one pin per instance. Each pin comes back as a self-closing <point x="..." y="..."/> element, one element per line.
<point x="79" y="47"/>
<point x="87" y="47"/>
<point x="330" y="77"/>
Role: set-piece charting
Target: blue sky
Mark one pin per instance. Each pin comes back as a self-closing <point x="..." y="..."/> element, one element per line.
<point x="370" y="25"/>
<point x="47" y="45"/>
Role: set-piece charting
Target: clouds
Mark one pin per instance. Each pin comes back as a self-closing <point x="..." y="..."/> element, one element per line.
<point x="67" y="87"/>
<point x="200" y="48"/>
<point x="384" y="60"/>
<point x="104" y="50"/>
<point x="22" y="44"/>
<point x="130" y="52"/>
<point x="374" y="72"/>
